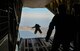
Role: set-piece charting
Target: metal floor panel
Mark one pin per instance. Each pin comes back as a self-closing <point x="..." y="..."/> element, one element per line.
<point x="38" y="44"/>
<point x="35" y="44"/>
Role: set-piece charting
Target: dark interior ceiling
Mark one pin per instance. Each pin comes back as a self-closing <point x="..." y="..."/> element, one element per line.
<point x="35" y="3"/>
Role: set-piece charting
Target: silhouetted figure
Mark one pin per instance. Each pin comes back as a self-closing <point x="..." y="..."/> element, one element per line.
<point x="63" y="25"/>
<point x="37" y="28"/>
<point x="77" y="16"/>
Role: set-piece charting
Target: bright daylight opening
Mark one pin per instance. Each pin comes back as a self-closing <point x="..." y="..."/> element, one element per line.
<point x="32" y="16"/>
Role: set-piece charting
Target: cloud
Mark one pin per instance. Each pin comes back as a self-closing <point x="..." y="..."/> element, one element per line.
<point x="28" y="28"/>
<point x="37" y="14"/>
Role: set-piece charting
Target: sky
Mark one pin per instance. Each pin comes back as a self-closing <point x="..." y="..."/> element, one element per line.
<point x="32" y="16"/>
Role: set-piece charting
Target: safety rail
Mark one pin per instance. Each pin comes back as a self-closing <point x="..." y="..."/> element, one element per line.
<point x="3" y="22"/>
<point x="3" y="39"/>
<point x="3" y="16"/>
<point x="4" y="28"/>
